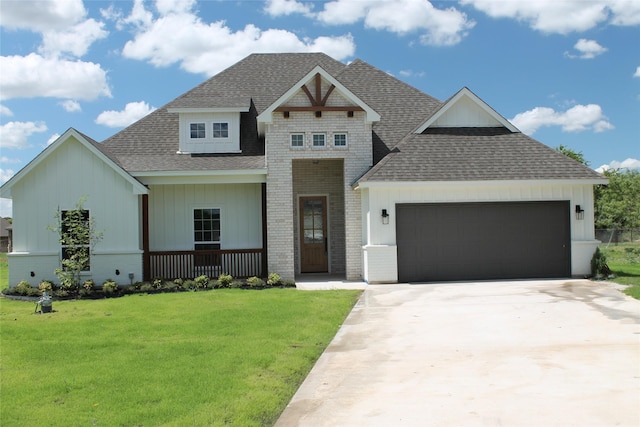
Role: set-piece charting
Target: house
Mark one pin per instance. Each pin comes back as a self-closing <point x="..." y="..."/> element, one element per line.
<point x="5" y="235"/>
<point x="297" y="163"/>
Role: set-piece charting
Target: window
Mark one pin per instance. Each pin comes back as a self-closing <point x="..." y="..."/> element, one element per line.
<point x="197" y="130"/>
<point x="340" y="140"/>
<point x="75" y="240"/>
<point x="297" y="140"/>
<point x="206" y="228"/>
<point x="318" y="140"/>
<point x="221" y="130"/>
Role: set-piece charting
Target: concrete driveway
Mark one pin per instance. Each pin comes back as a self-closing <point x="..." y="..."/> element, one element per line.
<point x="520" y="353"/>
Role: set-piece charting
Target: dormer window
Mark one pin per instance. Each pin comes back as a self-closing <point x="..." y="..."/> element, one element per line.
<point x="209" y="132"/>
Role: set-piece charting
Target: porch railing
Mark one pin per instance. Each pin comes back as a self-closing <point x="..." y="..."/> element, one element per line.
<point x="240" y="263"/>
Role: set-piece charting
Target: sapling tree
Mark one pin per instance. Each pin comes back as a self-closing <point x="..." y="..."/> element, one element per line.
<point x="78" y="237"/>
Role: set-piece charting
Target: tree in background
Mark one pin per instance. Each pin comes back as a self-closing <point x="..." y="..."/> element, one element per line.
<point x="617" y="204"/>
<point x="577" y="156"/>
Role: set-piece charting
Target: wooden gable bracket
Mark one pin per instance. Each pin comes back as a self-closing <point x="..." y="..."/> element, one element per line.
<point x="319" y="102"/>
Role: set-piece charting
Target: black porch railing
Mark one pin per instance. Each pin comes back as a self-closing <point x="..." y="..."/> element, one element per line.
<point x="239" y="263"/>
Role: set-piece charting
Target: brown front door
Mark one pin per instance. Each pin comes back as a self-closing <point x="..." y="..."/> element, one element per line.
<point x="313" y="235"/>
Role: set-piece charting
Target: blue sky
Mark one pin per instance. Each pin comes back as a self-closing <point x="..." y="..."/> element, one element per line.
<point x="565" y="72"/>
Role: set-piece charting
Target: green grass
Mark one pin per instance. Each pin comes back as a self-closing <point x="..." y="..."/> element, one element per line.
<point x="4" y="271"/>
<point x="223" y="357"/>
<point x="624" y="262"/>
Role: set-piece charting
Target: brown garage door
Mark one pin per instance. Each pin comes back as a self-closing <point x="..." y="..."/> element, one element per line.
<point x="483" y="241"/>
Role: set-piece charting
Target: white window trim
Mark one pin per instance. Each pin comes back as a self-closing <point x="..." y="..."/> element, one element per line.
<point x="318" y="147"/>
<point x="346" y="140"/>
<point x="204" y="138"/>
<point x="296" y="147"/>
<point x="221" y="138"/>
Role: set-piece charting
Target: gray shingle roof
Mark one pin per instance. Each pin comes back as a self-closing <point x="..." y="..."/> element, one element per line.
<point x="475" y="154"/>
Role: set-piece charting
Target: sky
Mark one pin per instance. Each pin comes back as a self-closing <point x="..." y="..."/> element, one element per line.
<point x="564" y="72"/>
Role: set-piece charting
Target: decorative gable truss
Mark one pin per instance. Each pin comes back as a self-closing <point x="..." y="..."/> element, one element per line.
<point x="465" y="109"/>
<point x="319" y="89"/>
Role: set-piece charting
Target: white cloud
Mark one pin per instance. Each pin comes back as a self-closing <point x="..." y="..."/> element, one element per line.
<point x="41" y="16"/>
<point x="5" y="159"/>
<point x="182" y="37"/>
<point x="15" y="134"/>
<point x="576" y="119"/>
<point x="588" y="49"/>
<point x="439" y="27"/>
<point x="71" y="106"/>
<point x="6" y="207"/>
<point x="5" y="111"/>
<point x="625" y="164"/>
<point x="53" y="138"/>
<point x="286" y="7"/>
<point x="35" y="76"/>
<point x="552" y="16"/>
<point x="75" y="39"/>
<point x="637" y="73"/>
<point x="132" y="112"/>
<point x="411" y="73"/>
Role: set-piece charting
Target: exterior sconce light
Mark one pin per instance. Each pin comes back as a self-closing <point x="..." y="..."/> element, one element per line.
<point x="385" y="216"/>
<point x="579" y="212"/>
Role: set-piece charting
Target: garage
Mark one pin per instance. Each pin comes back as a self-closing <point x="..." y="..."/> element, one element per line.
<point x="483" y="241"/>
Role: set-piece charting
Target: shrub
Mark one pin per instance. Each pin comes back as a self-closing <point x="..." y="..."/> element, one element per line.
<point x="158" y="283"/>
<point x="147" y="287"/>
<point x="225" y="280"/>
<point x="255" y="282"/>
<point x="109" y="287"/>
<point x="289" y="283"/>
<point x="235" y="284"/>
<point x="274" y="279"/>
<point x="599" y="267"/>
<point x="89" y="286"/>
<point x="190" y="285"/>
<point x="46" y="286"/>
<point x="201" y="281"/>
<point x="23" y="288"/>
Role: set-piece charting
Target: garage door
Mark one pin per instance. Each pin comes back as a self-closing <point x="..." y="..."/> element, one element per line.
<point x="483" y="241"/>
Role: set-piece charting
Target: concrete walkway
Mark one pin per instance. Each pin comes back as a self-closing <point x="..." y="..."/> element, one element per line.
<point x="521" y="353"/>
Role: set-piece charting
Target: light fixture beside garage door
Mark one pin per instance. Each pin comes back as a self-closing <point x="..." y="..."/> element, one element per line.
<point x="579" y="212"/>
<point x="385" y="216"/>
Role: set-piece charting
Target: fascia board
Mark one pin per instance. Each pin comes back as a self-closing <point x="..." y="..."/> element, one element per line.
<point x="496" y="183"/>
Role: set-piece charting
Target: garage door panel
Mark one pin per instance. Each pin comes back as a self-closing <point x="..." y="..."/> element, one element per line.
<point x="468" y="241"/>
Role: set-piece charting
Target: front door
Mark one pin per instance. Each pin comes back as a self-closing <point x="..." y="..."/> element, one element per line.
<point x="313" y="235"/>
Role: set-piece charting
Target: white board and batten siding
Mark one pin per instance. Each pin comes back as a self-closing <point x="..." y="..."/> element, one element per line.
<point x="171" y="214"/>
<point x="70" y="172"/>
<point x="379" y="245"/>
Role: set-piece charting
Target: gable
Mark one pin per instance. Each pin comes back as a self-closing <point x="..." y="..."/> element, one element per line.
<point x="465" y="110"/>
<point x="78" y="153"/>
<point x="322" y="92"/>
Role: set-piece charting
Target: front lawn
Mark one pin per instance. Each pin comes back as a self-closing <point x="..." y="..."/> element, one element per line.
<point x="624" y="262"/>
<point x="4" y="271"/>
<point x="222" y="357"/>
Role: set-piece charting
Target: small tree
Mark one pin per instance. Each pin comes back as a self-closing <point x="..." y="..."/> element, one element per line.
<point x="78" y="237"/>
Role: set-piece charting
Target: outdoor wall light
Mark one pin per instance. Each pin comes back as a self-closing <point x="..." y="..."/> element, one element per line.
<point x="385" y="216"/>
<point x="117" y="272"/>
<point x="579" y="212"/>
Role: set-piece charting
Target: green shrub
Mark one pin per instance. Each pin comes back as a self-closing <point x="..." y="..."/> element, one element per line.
<point x="190" y="285"/>
<point x="109" y="287"/>
<point x="201" y="281"/>
<point x="235" y="284"/>
<point x="46" y="286"/>
<point x="158" y="283"/>
<point x="89" y="286"/>
<point x="255" y="282"/>
<point x="274" y="279"/>
<point x="289" y="283"/>
<point x="225" y="280"/>
<point x="23" y="288"/>
<point x="599" y="267"/>
<point x="147" y="287"/>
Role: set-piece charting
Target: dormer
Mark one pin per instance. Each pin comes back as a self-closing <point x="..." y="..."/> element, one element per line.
<point x="209" y="130"/>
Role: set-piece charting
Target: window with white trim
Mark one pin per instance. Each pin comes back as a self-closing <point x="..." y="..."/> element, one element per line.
<point x="221" y="130"/>
<point x="297" y="140"/>
<point x="319" y="140"/>
<point x="340" y="140"/>
<point x="206" y="236"/>
<point x="197" y="130"/>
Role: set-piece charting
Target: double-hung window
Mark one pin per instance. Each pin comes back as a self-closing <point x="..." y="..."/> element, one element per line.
<point x="206" y="235"/>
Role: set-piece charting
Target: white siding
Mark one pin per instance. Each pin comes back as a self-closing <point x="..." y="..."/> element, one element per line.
<point x="58" y="182"/>
<point x="466" y="113"/>
<point x="171" y="214"/>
